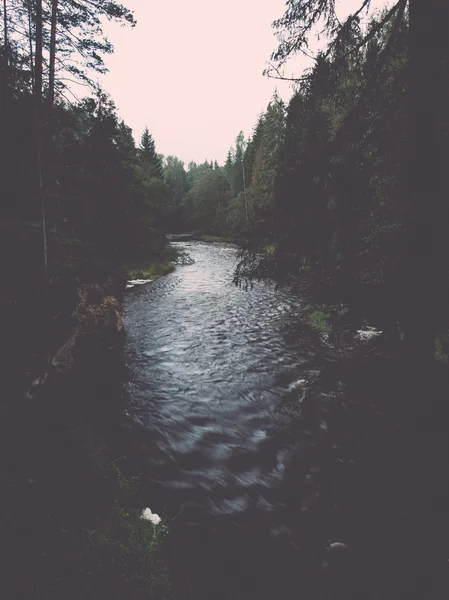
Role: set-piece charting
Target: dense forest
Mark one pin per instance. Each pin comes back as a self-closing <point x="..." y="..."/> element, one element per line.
<point x="72" y="174"/>
<point x="82" y="209"/>
<point x="321" y="187"/>
<point x="321" y="184"/>
<point x="343" y="189"/>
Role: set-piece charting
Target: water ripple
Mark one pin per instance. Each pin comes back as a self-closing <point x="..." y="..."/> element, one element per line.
<point x="208" y="365"/>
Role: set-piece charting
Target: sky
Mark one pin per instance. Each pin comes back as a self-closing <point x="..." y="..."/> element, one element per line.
<point x="192" y="71"/>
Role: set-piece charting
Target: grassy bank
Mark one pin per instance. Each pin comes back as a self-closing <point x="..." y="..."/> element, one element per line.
<point x="152" y="267"/>
<point x="216" y="238"/>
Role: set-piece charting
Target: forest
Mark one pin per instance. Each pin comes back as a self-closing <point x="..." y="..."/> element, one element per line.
<point x="322" y="185"/>
<point x="342" y="191"/>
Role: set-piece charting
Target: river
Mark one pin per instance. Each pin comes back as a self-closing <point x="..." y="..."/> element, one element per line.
<point x="258" y="500"/>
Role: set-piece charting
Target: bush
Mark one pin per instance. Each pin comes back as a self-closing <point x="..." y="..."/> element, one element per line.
<point x="317" y="320"/>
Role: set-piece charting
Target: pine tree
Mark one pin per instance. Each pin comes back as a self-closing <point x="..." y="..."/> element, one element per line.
<point x="148" y="156"/>
<point x="427" y="207"/>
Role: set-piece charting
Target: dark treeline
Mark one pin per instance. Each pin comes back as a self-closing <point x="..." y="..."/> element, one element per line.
<point x="325" y="187"/>
<point x="80" y="207"/>
<point x="78" y="196"/>
<point x="345" y="183"/>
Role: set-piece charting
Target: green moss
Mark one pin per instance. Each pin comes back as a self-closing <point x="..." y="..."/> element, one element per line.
<point x="215" y="238"/>
<point x="442" y="347"/>
<point x="151" y="270"/>
<point x="305" y="266"/>
<point x="317" y="320"/>
<point x="269" y="249"/>
<point x="153" y="267"/>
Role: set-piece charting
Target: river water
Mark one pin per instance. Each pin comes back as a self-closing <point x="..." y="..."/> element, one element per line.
<point x="257" y="498"/>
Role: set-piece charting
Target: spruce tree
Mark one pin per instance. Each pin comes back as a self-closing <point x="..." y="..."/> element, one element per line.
<point x="427" y="209"/>
<point x="148" y="156"/>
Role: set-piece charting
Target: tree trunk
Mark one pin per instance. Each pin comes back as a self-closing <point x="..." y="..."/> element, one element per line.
<point x="38" y="61"/>
<point x="428" y="206"/>
<point x="5" y="35"/>
<point x="38" y="67"/>
<point x="30" y="40"/>
<point x="5" y="70"/>
<point x="51" y="82"/>
<point x="41" y="199"/>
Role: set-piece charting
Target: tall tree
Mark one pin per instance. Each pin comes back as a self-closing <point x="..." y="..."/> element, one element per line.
<point x="38" y="53"/>
<point x="428" y="148"/>
<point x="206" y="200"/>
<point x="176" y="179"/>
<point x="5" y="59"/>
<point x="428" y="184"/>
<point x="150" y="159"/>
<point x="51" y="77"/>
<point x="68" y="39"/>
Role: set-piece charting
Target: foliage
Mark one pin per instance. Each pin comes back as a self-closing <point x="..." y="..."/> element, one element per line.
<point x="79" y="40"/>
<point x="129" y="546"/>
<point x="123" y="546"/>
<point x="233" y="199"/>
<point x="96" y="189"/>
<point x="215" y="238"/>
<point x="360" y="195"/>
<point x="72" y="177"/>
<point x="150" y="161"/>
<point x="206" y="201"/>
<point x="151" y="270"/>
<point x="340" y="203"/>
<point x="75" y="495"/>
<point x="442" y="347"/>
<point x="329" y="179"/>
<point x="176" y="180"/>
<point x="318" y="321"/>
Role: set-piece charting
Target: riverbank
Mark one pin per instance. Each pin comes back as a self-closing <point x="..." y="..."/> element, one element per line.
<point x="151" y="268"/>
<point x="71" y="509"/>
<point x="200" y="236"/>
<point x="216" y="238"/>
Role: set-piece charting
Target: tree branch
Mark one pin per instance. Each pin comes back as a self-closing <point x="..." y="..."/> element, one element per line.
<point x="282" y="77"/>
<point x="372" y="32"/>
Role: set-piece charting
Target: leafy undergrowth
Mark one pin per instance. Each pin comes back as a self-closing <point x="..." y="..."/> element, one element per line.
<point x="215" y="238"/>
<point x="122" y="544"/>
<point x="150" y="270"/>
<point x="153" y="268"/>
<point x="318" y="321"/>
<point x="71" y="515"/>
<point x="442" y="347"/>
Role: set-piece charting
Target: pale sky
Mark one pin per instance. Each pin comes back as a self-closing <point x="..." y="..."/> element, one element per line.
<point x="192" y="71"/>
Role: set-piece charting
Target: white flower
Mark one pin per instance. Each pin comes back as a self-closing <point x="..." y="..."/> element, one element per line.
<point x="148" y="515"/>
